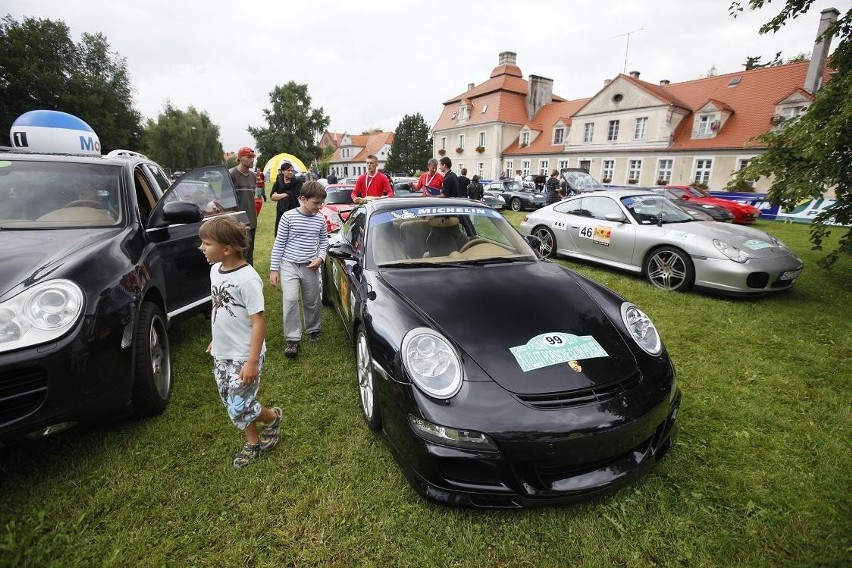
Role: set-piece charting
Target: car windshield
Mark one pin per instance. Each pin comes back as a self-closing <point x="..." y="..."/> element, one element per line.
<point x="338" y="197"/>
<point x="443" y="235"/>
<point x="59" y="195"/>
<point x="512" y="186"/>
<point x="653" y="209"/>
<point x="582" y="181"/>
<point x="697" y="192"/>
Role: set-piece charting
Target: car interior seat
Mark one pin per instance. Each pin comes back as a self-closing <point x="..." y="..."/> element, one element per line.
<point x="444" y="236"/>
<point x="413" y="235"/>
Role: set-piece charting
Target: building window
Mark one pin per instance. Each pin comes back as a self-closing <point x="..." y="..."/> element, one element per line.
<point x="634" y="171"/>
<point x="510" y="169"/>
<point x="612" y="133"/>
<point x="461" y="141"/>
<point x="639" y="131"/>
<point x="542" y="167"/>
<point x="588" y="131"/>
<point x="563" y="164"/>
<point x="443" y="142"/>
<point x="480" y="169"/>
<point x="586" y="165"/>
<point x="702" y="171"/>
<point x="559" y="136"/>
<point x="481" y="140"/>
<point x="525" y="168"/>
<point x="664" y="171"/>
<point x="741" y="163"/>
<point x="525" y="138"/>
<point x="607" y="169"/>
<point x="704" y="125"/>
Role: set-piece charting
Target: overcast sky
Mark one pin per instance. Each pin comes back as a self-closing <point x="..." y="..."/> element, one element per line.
<point x="369" y="63"/>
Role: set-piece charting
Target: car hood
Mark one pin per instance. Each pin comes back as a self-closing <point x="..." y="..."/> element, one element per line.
<point x="503" y="324"/>
<point x="756" y="243"/>
<point x="29" y="256"/>
<point x="726" y="203"/>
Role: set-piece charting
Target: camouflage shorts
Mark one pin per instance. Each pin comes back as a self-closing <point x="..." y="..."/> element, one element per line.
<point x="240" y="400"/>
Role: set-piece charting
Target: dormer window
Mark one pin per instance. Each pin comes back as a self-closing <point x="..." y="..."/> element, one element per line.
<point x="464" y="111"/>
<point x="708" y="125"/>
<point x="559" y="135"/>
<point x="525" y="138"/>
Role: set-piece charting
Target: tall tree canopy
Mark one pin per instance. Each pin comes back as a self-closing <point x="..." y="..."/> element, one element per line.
<point x="292" y="126"/>
<point x="180" y="140"/>
<point x="814" y="153"/>
<point x="411" y="147"/>
<point x="42" y="68"/>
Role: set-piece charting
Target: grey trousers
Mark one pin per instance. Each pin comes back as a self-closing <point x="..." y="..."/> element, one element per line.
<point x="296" y="278"/>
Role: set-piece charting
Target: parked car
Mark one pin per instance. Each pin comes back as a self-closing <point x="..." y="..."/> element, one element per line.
<point x="99" y="256"/>
<point x="402" y="188"/>
<point x="580" y="181"/>
<point x="699" y="211"/>
<point x="338" y="205"/>
<point x="516" y="196"/>
<point x="564" y="392"/>
<point x="643" y="232"/>
<point x="743" y="213"/>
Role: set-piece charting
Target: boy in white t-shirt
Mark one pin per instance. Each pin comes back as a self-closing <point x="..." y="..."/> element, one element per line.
<point x="238" y="327"/>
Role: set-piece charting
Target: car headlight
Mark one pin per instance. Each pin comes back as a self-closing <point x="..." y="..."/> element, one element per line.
<point x="432" y="362"/>
<point x="453" y="437"/>
<point x="641" y="328"/>
<point x="732" y="252"/>
<point x="39" y="314"/>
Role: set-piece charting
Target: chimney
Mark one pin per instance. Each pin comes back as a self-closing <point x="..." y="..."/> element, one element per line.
<point x="511" y="58"/>
<point x="664" y="82"/>
<point x="540" y="93"/>
<point x="813" y="80"/>
<point x="470" y="86"/>
<point x="634" y="74"/>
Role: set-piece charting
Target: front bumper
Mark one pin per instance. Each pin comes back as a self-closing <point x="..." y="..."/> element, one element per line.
<point x="755" y="276"/>
<point x="543" y="457"/>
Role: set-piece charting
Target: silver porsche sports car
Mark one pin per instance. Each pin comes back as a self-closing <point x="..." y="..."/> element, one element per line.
<point x="644" y="232"/>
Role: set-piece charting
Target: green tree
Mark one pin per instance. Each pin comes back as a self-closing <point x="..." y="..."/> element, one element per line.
<point x="411" y="147"/>
<point x="42" y="68"/>
<point x="292" y="126"/>
<point x="814" y="153"/>
<point x="181" y="140"/>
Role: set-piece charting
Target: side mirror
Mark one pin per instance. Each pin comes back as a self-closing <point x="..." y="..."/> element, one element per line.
<point x="615" y="217"/>
<point x="341" y="250"/>
<point x="176" y="212"/>
<point x="535" y="243"/>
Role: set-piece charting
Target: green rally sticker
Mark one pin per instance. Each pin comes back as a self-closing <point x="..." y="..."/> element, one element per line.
<point x="554" y="348"/>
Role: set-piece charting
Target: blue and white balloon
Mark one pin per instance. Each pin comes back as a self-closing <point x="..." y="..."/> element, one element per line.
<point x="54" y="132"/>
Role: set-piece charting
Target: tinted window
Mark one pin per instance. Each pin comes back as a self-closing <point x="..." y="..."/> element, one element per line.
<point x="600" y="207"/>
<point x="160" y="177"/>
<point x="207" y="189"/>
<point x="47" y="195"/>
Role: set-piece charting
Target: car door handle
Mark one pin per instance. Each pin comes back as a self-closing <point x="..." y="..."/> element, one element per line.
<point x="575" y="226"/>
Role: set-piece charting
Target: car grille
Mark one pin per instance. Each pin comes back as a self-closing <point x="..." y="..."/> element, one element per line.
<point x="22" y="391"/>
<point x="757" y="280"/>
<point x="580" y="397"/>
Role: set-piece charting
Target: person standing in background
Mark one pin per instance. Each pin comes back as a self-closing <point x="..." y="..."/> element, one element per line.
<point x="463" y="182"/>
<point x="450" y="186"/>
<point x="245" y="182"/>
<point x="285" y="191"/>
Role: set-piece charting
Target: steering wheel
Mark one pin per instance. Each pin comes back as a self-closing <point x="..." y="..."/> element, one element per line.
<point x="473" y="242"/>
<point x="86" y="203"/>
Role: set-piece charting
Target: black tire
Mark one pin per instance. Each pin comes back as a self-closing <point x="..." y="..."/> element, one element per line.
<point x="547" y="248"/>
<point x="367" y="382"/>
<point x="669" y="268"/>
<point x="152" y="373"/>
<point x="515" y="204"/>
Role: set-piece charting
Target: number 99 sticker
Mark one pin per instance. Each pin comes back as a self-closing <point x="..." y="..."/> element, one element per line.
<point x="554" y="348"/>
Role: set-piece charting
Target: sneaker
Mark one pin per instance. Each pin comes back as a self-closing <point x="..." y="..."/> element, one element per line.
<point x="314" y="336"/>
<point x="291" y="349"/>
<point x="271" y="432"/>
<point x="247" y="454"/>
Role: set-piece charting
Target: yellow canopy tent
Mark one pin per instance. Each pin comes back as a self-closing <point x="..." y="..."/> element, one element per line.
<point x="270" y="170"/>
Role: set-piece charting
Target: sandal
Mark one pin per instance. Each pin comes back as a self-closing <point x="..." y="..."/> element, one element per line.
<point x="247" y="454"/>
<point x="270" y="433"/>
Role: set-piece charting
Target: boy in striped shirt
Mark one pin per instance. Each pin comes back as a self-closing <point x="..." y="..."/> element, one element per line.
<point x="297" y="255"/>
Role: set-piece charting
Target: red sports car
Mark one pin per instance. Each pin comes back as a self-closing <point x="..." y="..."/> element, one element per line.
<point x="742" y="213"/>
<point x="338" y="205"/>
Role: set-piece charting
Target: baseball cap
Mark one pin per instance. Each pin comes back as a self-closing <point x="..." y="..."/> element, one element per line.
<point x="245" y="151"/>
<point x="285" y="166"/>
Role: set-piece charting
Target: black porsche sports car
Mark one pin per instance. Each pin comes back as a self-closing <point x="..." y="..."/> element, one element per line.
<point x="498" y="379"/>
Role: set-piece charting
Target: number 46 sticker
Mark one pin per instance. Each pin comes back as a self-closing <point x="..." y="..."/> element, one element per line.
<point x="600" y="234"/>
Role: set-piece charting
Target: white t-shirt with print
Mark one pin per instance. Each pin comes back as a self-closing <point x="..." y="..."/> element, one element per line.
<point x="237" y="295"/>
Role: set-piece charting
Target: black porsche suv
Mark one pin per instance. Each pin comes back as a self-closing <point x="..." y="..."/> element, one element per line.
<point x="99" y="255"/>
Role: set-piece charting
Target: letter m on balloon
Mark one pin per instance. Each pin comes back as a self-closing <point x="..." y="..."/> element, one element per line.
<point x="87" y="143"/>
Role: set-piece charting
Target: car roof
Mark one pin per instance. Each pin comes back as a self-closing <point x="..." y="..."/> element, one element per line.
<point x="18" y="154"/>
<point x="392" y="203"/>
<point x="617" y="193"/>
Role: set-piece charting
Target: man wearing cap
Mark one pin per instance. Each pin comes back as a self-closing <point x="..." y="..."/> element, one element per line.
<point x="285" y="191"/>
<point x="244" y="182"/>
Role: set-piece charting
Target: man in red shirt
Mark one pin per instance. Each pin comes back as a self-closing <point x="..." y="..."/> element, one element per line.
<point x="372" y="183"/>
<point x="431" y="180"/>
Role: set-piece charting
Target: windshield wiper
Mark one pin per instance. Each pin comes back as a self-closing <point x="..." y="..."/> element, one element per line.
<point x="407" y="264"/>
<point x="491" y="260"/>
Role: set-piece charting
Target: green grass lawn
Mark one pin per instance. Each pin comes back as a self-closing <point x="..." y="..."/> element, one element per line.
<point x="759" y="476"/>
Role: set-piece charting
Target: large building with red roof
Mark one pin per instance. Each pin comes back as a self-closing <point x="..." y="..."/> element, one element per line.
<point x="629" y="132"/>
<point x="351" y="151"/>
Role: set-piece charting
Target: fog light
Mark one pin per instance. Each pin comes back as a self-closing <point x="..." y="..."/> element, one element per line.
<point x="453" y="437"/>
